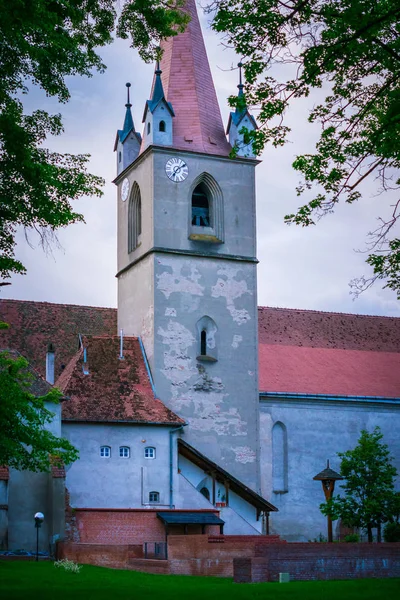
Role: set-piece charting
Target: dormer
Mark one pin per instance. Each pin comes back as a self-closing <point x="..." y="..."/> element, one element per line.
<point x="238" y="120"/>
<point x="157" y="117"/>
<point x="127" y="141"/>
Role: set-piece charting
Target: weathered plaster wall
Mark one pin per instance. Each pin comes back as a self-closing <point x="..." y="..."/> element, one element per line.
<point x="115" y="482"/>
<point x="316" y="431"/>
<point x="219" y="399"/>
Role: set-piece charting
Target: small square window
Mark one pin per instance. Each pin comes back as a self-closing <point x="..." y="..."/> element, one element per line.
<point x="154" y="497"/>
<point x="105" y="451"/>
<point x="149" y="452"/>
<point x="124" y="452"/>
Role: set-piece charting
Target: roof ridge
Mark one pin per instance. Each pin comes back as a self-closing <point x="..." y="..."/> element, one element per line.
<point x="57" y="304"/>
<point x="326" y="312"/>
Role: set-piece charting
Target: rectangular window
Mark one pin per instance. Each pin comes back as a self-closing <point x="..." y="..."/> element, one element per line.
<point x="154" y="497"/>
<point x="105" y="451"/>
<point x="149" y="452"/>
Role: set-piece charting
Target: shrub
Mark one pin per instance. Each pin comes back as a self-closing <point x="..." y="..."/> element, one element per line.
<point x="352" y="538"/>
<point x="68" y="565"/>
<point x="391" y="532"/>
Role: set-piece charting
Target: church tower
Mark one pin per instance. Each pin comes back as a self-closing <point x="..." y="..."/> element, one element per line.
<point x="186" y="260"/>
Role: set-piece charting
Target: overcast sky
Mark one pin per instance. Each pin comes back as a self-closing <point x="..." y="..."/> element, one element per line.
<point x="306" y="268"/>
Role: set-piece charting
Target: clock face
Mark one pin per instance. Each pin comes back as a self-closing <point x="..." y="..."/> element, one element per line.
<point x="176" y="169"/>
<point x="125" y="189"/>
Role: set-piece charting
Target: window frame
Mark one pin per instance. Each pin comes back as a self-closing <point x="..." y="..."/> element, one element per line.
<point x="157" y="497"/>
<point x="153" y="449"/>
<point x="103" y="453"/>
<point x="123" y="448"/>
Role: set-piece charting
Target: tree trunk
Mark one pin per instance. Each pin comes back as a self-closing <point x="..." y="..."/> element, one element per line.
<point x="379" y="532"/>
<point x="369" y="529"/>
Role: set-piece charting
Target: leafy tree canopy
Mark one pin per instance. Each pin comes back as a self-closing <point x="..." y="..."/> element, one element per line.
<point x="25" y="443"/>
<point x="41" y="43"/>
<point x="369" y="497"/>
<point x="351" y="49"/>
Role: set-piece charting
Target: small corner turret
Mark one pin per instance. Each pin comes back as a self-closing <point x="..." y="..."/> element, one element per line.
<point x="158" y="114"/>
<point x="238" y="120"/>
<point x="127" y="140"/>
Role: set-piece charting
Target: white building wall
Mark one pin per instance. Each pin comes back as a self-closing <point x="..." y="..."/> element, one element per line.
<point x="115" y="482"/>
<point x="316" y="431"/>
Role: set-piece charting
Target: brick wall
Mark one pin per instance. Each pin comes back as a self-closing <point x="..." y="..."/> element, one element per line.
<point x="306" y="561"/>
<point x="118" y="526"/>
<point x="102" y="555"/>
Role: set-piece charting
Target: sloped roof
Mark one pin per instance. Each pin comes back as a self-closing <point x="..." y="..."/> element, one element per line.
<point x="312" y="352"/>
<point x="221" y="475"/>
<point x="189" y="87"/>
<point x="114" y="390"/>
<point x="34" y="325"/>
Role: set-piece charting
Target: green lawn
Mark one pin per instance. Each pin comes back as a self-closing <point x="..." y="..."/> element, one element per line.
<point x="30" y="580"/>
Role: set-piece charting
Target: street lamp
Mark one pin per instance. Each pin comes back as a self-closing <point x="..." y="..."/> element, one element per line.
<point x="39" y="518"/>
<point x="328" y="477"/>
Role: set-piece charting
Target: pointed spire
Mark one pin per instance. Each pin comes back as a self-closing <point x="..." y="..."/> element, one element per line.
<point x="188" y="86"/>
<point x="127" y="140"/>
<point x="128" y="123"/>
<point x="157" y="94"/>
<point x="240" y="86"/>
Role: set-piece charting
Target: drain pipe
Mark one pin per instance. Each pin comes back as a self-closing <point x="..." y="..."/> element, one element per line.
<point x="171" y="464"/>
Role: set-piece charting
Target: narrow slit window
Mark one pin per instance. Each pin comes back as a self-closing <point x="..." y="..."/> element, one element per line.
<point x="154" y="497"/>
<point x="200" y="207"/>
<point x="162" y="126"/>
<point x="148" y="128"/>
<point x="203" y="343"/>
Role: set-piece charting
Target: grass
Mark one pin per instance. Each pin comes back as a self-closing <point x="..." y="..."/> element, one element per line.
<point x="30" y="580"/>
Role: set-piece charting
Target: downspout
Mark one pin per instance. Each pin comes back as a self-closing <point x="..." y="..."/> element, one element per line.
<point x="146" y="362"/>
<point x="171" y="464"/>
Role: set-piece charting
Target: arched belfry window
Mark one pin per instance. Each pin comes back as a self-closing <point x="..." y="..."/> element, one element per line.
<point x="279" y="458"/>
<point x="206" y="210"/>
<point x="207" y="334"/>
<point x="201" y="216"/>
<point x="161" y="127"/>
<point x="134" y="218"/>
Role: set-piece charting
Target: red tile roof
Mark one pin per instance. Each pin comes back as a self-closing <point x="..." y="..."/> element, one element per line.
<point x="313" y="352"/>
<point x="34" y="325"/>
<point x="114" y="390"/>
<point x="188" y="85"/>
<point x="329" y="371"/>
<point x="317" y="329"/>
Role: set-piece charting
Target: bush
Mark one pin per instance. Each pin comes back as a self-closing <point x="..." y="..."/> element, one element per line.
<point x="352" y="538"/>
<point x="68" y="565"/>
<point x="391" y="532"/>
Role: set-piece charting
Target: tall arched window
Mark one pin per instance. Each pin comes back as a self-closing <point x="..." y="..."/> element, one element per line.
<point x="206" y="210"/>
<point x="201" y="216"/>
<point x="279" y="458"/>
<point x="134" y="218"/>
<point x="161" y="127"/>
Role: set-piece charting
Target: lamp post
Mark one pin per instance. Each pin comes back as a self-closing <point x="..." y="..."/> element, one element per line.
<point x="328" y="477"/>
<point x="39" y="518"/>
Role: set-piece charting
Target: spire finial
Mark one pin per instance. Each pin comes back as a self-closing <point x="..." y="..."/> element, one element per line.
<point x="327" y="464"/>
<point x="128" y="104"/>
<point x="240" y="86"/>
